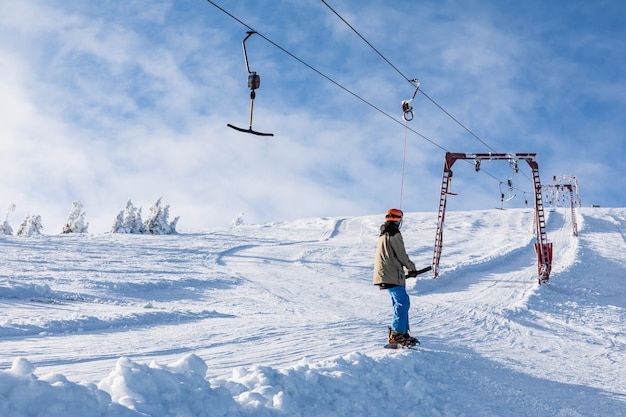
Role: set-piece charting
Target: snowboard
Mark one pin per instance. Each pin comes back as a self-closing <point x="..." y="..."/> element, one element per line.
<point x="399" y="346"/>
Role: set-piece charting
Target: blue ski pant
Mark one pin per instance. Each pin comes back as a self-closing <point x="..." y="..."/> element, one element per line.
<point x="401" y="303"/>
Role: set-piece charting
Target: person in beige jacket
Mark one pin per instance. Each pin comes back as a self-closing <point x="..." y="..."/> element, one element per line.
<point x="391" y="259"/>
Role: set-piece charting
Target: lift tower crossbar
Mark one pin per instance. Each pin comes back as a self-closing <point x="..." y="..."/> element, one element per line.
<point x="543" y="248"/>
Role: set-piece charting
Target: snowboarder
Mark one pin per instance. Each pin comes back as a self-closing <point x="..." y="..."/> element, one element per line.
<point x="391" y="259"/>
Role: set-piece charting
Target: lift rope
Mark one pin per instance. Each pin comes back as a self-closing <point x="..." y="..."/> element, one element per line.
<point x="403" y="162"/>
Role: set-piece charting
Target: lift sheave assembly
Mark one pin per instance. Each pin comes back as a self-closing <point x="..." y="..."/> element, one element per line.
<point x="254" y="82"/>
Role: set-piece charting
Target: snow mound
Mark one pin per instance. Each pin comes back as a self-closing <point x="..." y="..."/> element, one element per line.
<point x="411" y="382"/>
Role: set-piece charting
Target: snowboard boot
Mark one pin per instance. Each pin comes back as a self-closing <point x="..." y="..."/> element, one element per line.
<point x="401" y="339"/>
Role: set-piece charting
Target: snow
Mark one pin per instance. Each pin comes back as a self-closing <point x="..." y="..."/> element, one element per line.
<point x="281" y="319"/>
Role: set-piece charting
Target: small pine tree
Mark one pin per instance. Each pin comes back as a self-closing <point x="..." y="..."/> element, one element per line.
<point x="31" y="226"/>
<point x="129" y="220"/>
<point x="6" y="228"/>
<point x="157" y="221"/>
<point x="238" y="221"/>
<point x="117" y="224"/>
<point x="76" y="220"/>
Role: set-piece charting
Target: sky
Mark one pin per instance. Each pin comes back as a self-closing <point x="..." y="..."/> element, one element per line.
<point x="102" y="102"/>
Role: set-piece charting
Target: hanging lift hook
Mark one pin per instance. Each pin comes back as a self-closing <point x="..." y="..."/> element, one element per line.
<point x="511" y="195"/>
<point x="501" y="196"/>
<point x="510" y="184"/>
<point x="407" y="109"/>
<point x="254" y="82"/>
<point x="515" y="168"/>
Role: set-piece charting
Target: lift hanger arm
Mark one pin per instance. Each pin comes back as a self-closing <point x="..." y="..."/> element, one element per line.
<point x="243" y="45"/>
<point x="254" y="82"/>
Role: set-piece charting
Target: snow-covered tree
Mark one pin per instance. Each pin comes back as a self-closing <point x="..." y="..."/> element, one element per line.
<point x="157" y="221"/>
<point x="129" y="220"/>
<point x="76" y="220"/>
<point x="6" y="228"/>
<point x="238" y="221"/>
<point x="31" y="226"/>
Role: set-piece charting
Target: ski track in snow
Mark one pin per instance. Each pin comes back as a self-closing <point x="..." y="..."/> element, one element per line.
<point x="297" y="297"/>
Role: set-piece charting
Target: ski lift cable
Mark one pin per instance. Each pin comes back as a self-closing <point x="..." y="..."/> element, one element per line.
<point x="325" y="76"/>
<point x="415" y="84"/>
<point x="411" y="81"/>
<point x="341" y="86"/>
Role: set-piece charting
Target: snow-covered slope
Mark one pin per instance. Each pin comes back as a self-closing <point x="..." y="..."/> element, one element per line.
<point x="282" y="319"/>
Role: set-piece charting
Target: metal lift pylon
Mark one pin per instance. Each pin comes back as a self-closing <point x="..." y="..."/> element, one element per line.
<point x="561" y="183"/>
<point x="543" y="248"/>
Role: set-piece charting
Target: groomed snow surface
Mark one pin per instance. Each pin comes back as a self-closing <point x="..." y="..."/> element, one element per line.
<point x="282" y="320"/>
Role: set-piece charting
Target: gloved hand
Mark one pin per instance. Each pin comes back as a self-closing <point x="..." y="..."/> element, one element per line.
<point x="411" y="274"/>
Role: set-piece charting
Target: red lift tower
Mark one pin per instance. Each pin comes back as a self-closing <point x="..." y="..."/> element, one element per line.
<point x="543" y="248"/>
<point x="561" y="183"/>
<point x="569" y="182"/>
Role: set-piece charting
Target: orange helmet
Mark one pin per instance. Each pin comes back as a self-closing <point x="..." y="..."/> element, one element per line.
<point x="394" y="215"/>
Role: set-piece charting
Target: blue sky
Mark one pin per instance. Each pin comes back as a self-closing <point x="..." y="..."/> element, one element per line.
<point x="105" y="101"/>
